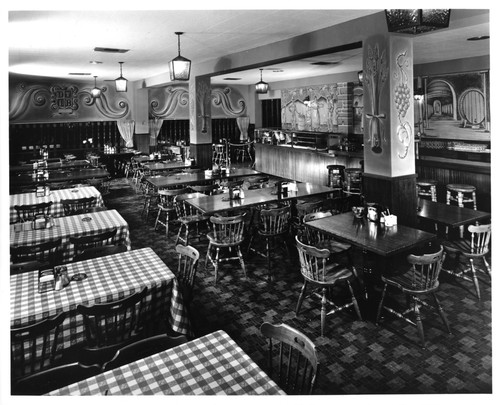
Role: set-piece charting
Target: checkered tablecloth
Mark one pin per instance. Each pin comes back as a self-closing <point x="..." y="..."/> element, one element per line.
<point x="213" y="364"/>
<point x="108" y="278"/>
<point x="56" y="210"/>
<point x="73" y="225"/>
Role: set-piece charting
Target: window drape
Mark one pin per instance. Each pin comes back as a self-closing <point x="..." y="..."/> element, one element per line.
<point x="243" y="123"/>
<point x="126" y="129"/>
<point x="154" y="129"/>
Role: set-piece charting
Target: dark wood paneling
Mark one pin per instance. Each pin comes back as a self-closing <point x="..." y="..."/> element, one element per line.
<point x="202" y="154"/>
<point x="271" y="113"/>
<point x="397" y="193"/>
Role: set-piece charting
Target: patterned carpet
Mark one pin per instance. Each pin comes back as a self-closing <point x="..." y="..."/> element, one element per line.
<point x="356" y="357"/>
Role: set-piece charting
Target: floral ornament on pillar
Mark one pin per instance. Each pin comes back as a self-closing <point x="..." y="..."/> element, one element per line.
<point x="402" y="98"/>
<point x="374" y="78"/>
<point x="203" y="101"/>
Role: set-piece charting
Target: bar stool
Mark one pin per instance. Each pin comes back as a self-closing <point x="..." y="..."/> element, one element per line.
<point x="352" y="186"/>
<point x="219" y="154"/>
<point x="427" y="189"/>
<point x="336" y="177"/>
<point x="461" y="194"/>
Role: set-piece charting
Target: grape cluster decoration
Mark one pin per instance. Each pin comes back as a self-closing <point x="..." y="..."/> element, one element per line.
<point x="402" y="98"/>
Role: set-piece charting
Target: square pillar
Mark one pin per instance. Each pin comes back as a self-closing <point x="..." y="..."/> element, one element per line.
<point x="200" y="122"/>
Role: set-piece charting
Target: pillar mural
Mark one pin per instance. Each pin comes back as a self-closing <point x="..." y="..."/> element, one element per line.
<point x="200" y="123"/>
<point x="388" y="105"/>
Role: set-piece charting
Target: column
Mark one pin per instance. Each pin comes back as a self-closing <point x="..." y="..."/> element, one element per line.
<point x="389" y="148"/>
<point x="200" y="123"/>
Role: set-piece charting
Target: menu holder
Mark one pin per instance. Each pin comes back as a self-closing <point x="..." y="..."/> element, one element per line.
<point x="46" y="281"/>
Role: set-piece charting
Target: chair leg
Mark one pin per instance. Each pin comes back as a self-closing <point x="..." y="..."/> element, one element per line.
<point x="418" y="321"/>
<point x="157" y="218"/>
<point x="268" y="255"/>
<point x="441" y="312"/>
<point x="323" y="311"/>
<point x="167" y="220"/>
<point x="487" y="265"/>
<point x="474" y="278"/>
<point x="216" y="263"/>
<point x="301" y="298"/>
<point x="379" y="310"/>
<point x="242" y="263"/>
<point x="354" y="301"/>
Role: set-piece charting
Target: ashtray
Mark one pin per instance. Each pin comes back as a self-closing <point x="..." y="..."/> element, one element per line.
<point x="78" y="277"/>
<point x="75" y="190"/>
<point x="86" y="219"/>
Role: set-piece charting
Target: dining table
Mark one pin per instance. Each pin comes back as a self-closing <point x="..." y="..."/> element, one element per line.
<point x="179" y="179"/>
<point x="449" y="215"/>
<point x="54" y="196"/>
<point x="26" y="179"/>
<point x="222" y="202"/>
<point x="72" y="225"/>
<point x="100" y="280"/>
<point x="62" y="165"/>
<point x="166" y="166"/>
<point x="213" y="364"/>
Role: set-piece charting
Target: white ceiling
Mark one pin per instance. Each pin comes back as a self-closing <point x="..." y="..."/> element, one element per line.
<point x="55" y="43"/>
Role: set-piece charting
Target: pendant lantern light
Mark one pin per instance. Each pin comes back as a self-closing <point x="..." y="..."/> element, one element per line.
<point x="261" y="87"/>
<point x="96" y="91"/>
<point x="121" y="82"/>
<point x="417" y="21"/>
<point x="180" y="67"/>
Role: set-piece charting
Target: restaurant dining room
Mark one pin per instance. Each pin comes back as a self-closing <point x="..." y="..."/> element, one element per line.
<point x="247" y="202"/>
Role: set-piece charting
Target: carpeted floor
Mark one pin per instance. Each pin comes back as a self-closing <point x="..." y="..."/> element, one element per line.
<point x="356" y="357"/>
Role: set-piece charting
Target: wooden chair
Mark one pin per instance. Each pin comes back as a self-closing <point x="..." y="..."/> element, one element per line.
<point x="461" y="194"/>
<point x="99" y="251"/>
<point x="53" y="378"/>
<point x="324" y="276"/>
<point x="60" y="185"/>
<point x="420" y="280"/>
<point x="476" y="248"/>
<point x="273" y="224"/>
<point x="27" y="212"/>
<point x="36" y="346"/>
<point x="143" y="348"/>
<point x="89" y="242"/>
<point x="76" y="206"/>
<point x="166" y="206"/>
<point x="226" y="236"/>
<point x="45" y="252"/>
<point x="188" y="218"/>
<point x="92" y="209"/>
<point x="293" y="360"/>
<point x="25" y="267"/>
<point x="114" y="324"/>
<point x="187" y="266"/>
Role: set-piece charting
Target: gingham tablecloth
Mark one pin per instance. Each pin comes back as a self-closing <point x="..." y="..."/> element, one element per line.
<point x="213" y="364"/>
<point x="108" y="278"/>
<point x="56" y="210"/>
<point x="73" y="225"/>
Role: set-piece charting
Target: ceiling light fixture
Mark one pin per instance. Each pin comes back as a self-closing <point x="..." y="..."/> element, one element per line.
<point x="121" y="82"/>
<point x="479" y="38"/>
<point x="406" y="21"/>
<point x="96" y="91"/>
<point x="261" y="87"/>
<point x="360" y="77"/>
<point x="180" y="67"/>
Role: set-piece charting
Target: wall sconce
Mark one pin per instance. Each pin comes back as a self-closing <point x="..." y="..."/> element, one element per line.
<point x="261" y="87"/>
<point x="418" y="21"/>
<point x="360" y="77"/>
<point x="121" y="82"/>
<point x="180" y="67"/>
<point x="96" y="91"/>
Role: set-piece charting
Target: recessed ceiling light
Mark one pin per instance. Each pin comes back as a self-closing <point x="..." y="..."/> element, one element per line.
<point x="232" y="78"/>
<point x="323" y="63"/>
<point x="95" y="62"/>
<point x="278" y="70"/>
<point x="478" y="38"/>
<point x="110" y="50"/>
<point x="79" y="74"/>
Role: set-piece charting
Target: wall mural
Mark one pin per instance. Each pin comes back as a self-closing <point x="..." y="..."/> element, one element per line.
<point x="172" y="101"/>
<point x="311" y="108"/>
<point x="402" y="97"/>
<point x="374" y="77"/>
<point x="457" y="106"/>
<point x="61" y="101"/>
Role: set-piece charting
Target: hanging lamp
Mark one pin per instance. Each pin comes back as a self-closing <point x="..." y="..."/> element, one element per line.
<point x="180" y="67"/>
<point x="261" y="87"/>
<point x="417" y="21"/>
<point x="96" y="91"/>
<point x="121" y="82"/>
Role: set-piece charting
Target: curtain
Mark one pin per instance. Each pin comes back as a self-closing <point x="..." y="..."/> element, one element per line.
<point x="154" y="129"/>
<point x="243" y="123"/>
<point x="126" y="129"/>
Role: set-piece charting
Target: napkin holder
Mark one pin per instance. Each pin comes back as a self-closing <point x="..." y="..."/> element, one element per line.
<point x="235" y="193"/>
<point x="61" y="277"/>
<point x="46" y="280"/>
<point x="390" y="220"/>
<point x="40" y="221"/>
<point x="42" y="191"/>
